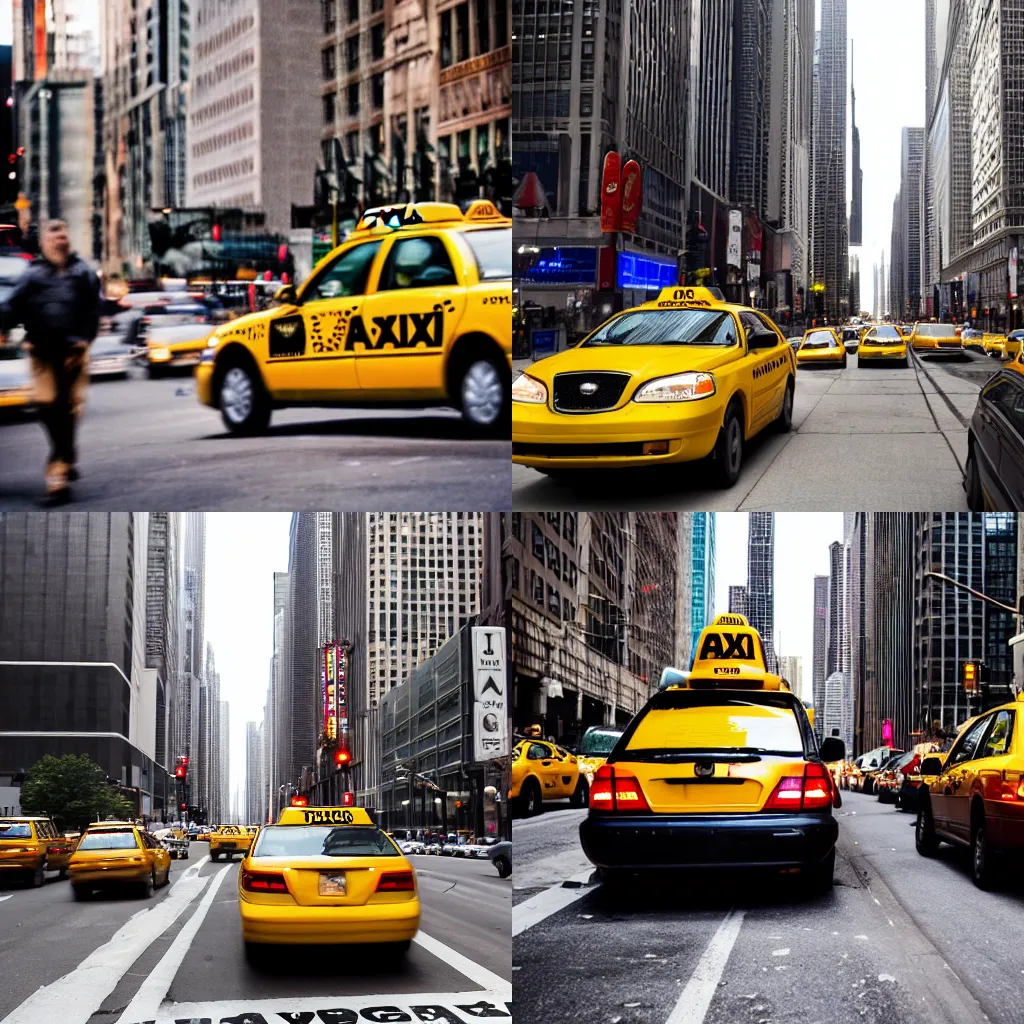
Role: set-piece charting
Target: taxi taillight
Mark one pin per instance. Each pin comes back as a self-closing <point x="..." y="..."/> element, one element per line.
<point x="396" y="881"/>
<point x="811" y="791"/>
<point x="618" y="791"/>
<point x="261" y="881"/>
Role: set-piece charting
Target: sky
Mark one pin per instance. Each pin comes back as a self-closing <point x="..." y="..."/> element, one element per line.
<point x="801" y="553"/>
<point x="888" y="77"/>
<point x="243" y="551"/>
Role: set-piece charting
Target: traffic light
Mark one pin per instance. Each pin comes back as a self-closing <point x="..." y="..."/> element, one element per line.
<point x="343" y="757"/>
<point x="299" y="801"/>
<point x="179" y="772"/>
<point x="181" y="807"/>
<point x="970" y="676"/>
<point x="215" y="232"/>
<point x="348" y="799"/>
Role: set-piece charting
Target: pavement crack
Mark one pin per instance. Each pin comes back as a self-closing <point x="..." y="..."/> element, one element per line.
<point x="450" y="887"/>
<point x="919" y="368"/>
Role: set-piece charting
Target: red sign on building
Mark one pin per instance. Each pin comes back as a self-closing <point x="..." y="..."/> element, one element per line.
<point x="611" y="205"/>
<point x="632" y="195"/>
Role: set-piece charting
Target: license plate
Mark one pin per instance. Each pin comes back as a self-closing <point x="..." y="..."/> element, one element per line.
<point x="228" y="846"/>
<point x="332" y="885"/>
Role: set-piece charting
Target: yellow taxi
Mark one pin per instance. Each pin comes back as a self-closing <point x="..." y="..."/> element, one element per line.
<point x="597" y="743"/>
<point x="681" y="378"/>
<point x="118" y="853"/>
<point x="1012" y="345"/>
<point x="972" y="338"/>
<point x="821" y="346"/>
<point x="720" y="769"/>
<point x="977" y="797"/>
<point x="928" y="337"/>
<point x="176" y="346"/>
<point x="30" y="846"/>
<point x="16" y="391"/>
<point x="994" y="345"/>
<point x="882" y="344"/>
<point x="227" y="840"/>
<point x="544" y="771"/>
<point x="203" y="837"/>
<point x="326" y="875"/>
<point x="413" y="308"/>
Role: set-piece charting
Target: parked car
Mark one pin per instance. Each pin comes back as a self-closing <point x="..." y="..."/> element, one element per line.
<point x="994" y="471"/>
<point x="110" y="355"/>
<point x="862" y="774"/>
<point x="890" y="777"/>
<point x="501" y="857"/>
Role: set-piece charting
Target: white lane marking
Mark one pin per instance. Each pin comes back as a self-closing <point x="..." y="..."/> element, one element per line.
<point x="152" y="991"/>
<point x="396" y="1007"/>
<point x="550" y="901"/>
<point x="2" y="898"/>
<point x="77" y="995"/>
<point x="693" y="1004"/>
<point x="475" y="972"/>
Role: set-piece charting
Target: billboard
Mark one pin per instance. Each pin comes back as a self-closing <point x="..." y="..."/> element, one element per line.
<point x="734" y="247"/>
<point x="490" y="694"/>
<point x="1012" y="271"/>
<point x="611" y="211"/>
<point x="335" y="696"/>
<point x="632" y="196"/>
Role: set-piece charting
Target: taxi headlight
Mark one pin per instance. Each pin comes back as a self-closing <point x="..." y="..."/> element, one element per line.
<point x="528" y="389"/>
<point x="680" y="387"/>
<point x="159" y="353"/>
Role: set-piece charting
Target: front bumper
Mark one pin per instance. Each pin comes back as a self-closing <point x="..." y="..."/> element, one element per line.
<point x="290" y="924"/>
<point x="813" y="358"/>
<point x="881" y="352"/>
<point x="750" y="840"/>
<point x="615" y="439"/>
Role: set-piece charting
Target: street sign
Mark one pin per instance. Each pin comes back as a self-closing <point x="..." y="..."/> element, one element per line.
<point x="490" y="700"/>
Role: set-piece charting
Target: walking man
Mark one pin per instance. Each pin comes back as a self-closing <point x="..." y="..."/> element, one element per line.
<point x="58" y="302"/>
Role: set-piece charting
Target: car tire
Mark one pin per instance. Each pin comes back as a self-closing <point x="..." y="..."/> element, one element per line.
<point x="37" y="877"/>
<point x="148" y="885"/>
<point x="972" y="482"/>
<point x="504" y="866"/>
<point x="819" y="878"/>
<point x="243" y="402"/>
<point x="154" y="372"/>
<point x="925" y="839"/>
<point x="256" y="954"/>
<point x="581" y="794"/>
<point x="984" y="866"/>
<point x="81" y="892"/>
<point x="728" y="453"/>
<point x="214" y="856"/>
<point x="842" y="365"/>
<point x="483" y="395"/>
<point x="784" y="421"/>
<point x="531" y="799"/>
<point x="867" y="786"/>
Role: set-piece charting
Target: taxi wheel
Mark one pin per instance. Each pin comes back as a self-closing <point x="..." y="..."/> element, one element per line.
<point x="81" y="892"/>
<point x="784" y="421"/>
<point x="148" y="885"/>
<point x="484" y="396"/>
<point x="395" y="951"/>
<point x="581" y="794"/>
<point x="925" y="839"/>
<point x="504" y="866"/>
<point x="819" y="878"/>
<point x="214" y="856"/>
<point x="62" y="874"/>
<point x="975" y="501"/>
<point x="531" y="798"/>
<point x="257" y="954"/>
<point x="728" y="453"/>
<point x="155" y="372"/>
<point x="244" y="406"/>
<point x="843" y="363"/>
<point x="38" y="877"/>
<point x="983" y="858"/>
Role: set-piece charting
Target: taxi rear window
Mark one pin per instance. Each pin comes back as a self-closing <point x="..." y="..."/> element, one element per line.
<point x="22" y="831"/>
<point x="492" y="248"/>
<point x="323" y="841"/>
<point x="666" y="327"/>
<point x="936" y="330"/>
<point x="108" y="841"/>
<point x="600" y="741"/>
<point x="680" y="723"/>
<point x="820" y="339"/>
<point x="881" y="334"/>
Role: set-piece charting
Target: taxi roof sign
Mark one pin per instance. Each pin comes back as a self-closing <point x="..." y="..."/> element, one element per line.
<point x="683" y="297"/>
<point x="381" y="219"/>
<point x="731" y="619"/>
<point x="324" y="816"/>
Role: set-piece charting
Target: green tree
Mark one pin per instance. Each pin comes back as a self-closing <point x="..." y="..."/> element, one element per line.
<point x="73" y="790"/>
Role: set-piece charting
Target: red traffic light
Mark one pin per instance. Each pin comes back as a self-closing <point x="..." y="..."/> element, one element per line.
<point x="216" y="232"/>
<point x="179" y="772"/>
<point x="342" y="757"/>
<point x="184" y="760"/>
<point x="348" y="799"/>
<point x="299" y="801"/>
<point x="182" y="807"/>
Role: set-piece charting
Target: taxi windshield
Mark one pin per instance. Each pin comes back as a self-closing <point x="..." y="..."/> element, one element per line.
<point x="22" y="831"/>
<point x="679" y="724"/>
<point x="599" y="741"/>
<point x="936" y="330"/>
<point x="323" y="841"/>
<point x="666" y="327"/>
<point x="883" y="334"/>
<point x="820" y="339"/>
<point x="492" y="248"/>
<point x="108" y="841"/>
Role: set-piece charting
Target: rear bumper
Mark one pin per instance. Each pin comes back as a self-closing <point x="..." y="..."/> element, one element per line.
<point x="20" y="862"/>
<point x="708" y="840"/>
<point x="293" y="925"/>
<point x="109" y="876"/>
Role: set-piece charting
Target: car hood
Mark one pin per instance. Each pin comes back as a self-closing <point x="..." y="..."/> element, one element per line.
<point x="641" y="361"/>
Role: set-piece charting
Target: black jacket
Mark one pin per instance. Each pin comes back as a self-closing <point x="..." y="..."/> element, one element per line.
<point x="57" y="307"/>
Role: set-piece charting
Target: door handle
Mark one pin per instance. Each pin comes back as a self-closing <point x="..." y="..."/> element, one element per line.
<point x="547" y="764"/>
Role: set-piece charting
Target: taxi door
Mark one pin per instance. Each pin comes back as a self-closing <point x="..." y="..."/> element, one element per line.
<point x="547" y="767"/>
<point x="568" y="772"/>
<point x="951" y="792"/>
<point x="770" y="368"/>
<point x="411" y="318"/>
<point x="311" y="345"/>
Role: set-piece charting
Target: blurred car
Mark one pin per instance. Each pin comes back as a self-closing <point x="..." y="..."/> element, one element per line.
<point x="544" y="771"/>
<point x="174" y="841"/>
<point x="821" y="346"/>
<point x="110" y="355"/>
<point x="112" y="854"/>
<point x="326" y="875"/>
<point x="1012" y="345"/>
<point x="889" y="777"/>
<point x="972" y="338"/>
<point x="913" y="779"/>
<point x="851" y="338"/>
<point x="15" y="382"/>
<point x="227" y="840"/>
<point x="30" y="846"/>
<point x="882" y="344"/>
<point x="861" y="774"/>
<point x="928" y="337"/>
<point x="994" y="470"/>
<point x="594" y="748"/>
<point x="176" y="346"/>
<point x="501" y="857"/>
<point x="994" y="345"/>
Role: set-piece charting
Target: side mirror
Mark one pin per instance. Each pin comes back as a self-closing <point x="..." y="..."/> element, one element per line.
<point x="285" y="295"/>
<point x="931" y="766"/>
<point x="762" y="339"/>
<point x="832" y="749"/>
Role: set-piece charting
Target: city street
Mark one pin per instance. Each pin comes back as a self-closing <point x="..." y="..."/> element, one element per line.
<point x="151" y="443"/>
<point x="180" y="955"/>
<point x="876" y="437"/>
<point x="900" y="939"/>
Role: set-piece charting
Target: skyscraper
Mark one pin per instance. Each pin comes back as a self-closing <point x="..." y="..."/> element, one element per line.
<point x="761" y="581"/>
<point x="830" y="228"/>
<point x="819" y="662"/>
<point x="856" y="211"/>
<point x="1000" y="530"/>
<point x="748" y="159"/>
<point x="835" y="606"/>
<point x="254" y="809"/>
<point x="702" y="572"/>
<point x="912" y="148"/>
<point x="791" y="668"/>
<point x="163" y="614"/>
<point x="223" y="753"/>
<point x="193" y="652"/>
<point x="737" y="600"/>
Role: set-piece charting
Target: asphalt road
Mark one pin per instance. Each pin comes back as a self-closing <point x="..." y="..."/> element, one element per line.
<point x="877" y="437"/>
<point x="151" y="444"/>
<point x="179" y="955"/>
<point x="901" y="939"/>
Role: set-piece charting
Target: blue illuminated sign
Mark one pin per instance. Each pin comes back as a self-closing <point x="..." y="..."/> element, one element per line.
<point x="572" y="266"/>
<point x="637" y="271"/>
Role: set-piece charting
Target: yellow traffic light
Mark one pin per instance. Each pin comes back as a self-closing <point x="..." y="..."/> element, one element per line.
<point x="970" y="676"/>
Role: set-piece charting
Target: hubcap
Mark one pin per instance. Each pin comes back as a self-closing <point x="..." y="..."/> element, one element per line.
<point x="735" y="443"/>
<point x="481" y="393"/>
<point x="236" y="395"/>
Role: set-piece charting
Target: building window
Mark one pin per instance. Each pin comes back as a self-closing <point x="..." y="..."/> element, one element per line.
<point x="352" y="52"/>
<point x="327" y="58"/>
<point x="554" y="601"/>
<point x="327" y="9"/>
<point x="378" y="91"/>
<point x="377" y="41"/>
<point x="537" y="540"/>
<point x="462" y="32"/>
<point x="538" y="589"/>
<point x="353" y="11"/>
<point x="446" y="38"/>
<point x="351" y="147"/>
<point x="500" y="23"/>
<point x="353" y="100"/>
<point x="483" y="26"/>
<point x="586" y="104"/>
<point x="328" y="102"/>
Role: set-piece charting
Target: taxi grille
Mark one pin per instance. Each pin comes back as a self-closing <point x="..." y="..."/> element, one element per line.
<point x="568" y="396"/>
<point x="579" y="451"/>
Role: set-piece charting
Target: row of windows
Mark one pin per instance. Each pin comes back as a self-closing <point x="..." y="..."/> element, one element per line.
<point x="225" y="172"/>
<point x="329" y="11"/>
<point x="238" y="98"/>
<point x="226" y="69"/>
<point x="226" y="35"/>
<point x="352" y="99"/>
<point x="239" y="133"/>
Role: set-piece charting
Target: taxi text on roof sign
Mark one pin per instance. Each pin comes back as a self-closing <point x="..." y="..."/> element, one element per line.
<point x="704" y="298"/>
<point x="729" y="653"/>
<point x="324" y="816"/>
<point x="410" y="215"/>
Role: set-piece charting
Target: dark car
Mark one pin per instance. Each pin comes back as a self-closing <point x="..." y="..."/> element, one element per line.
<point x="994" y="472"/>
